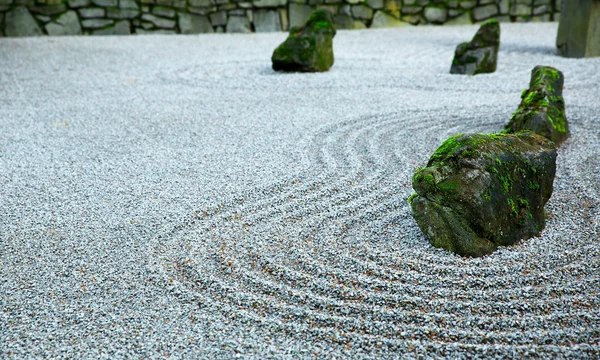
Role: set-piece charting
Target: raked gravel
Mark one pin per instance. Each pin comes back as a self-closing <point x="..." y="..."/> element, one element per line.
<point x="172" y="196"/>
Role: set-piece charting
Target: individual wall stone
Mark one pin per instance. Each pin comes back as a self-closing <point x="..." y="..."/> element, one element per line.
<point x="383" y="20"/>
<point x="219" y="18"/>
<point x="48" y="10"/>
<point x="436" y="15"/>
<point x="106" y="3"/>
<point x="579" y="29"/>
<point x="159" y="22"/>
<point x="193" y="24"/>
<point x="362" y="12"/>
<point x="122" y="27"/>
<point x="266" y="21"/>
<point x="92" y="13"/>
<point x="485" y="12"/>
<point x="269" y="3"/>
<point x="74" y="4"/>
<point x="238" y="24"/>
<point x="19" y="22"/>
<point x="96" y="23"/>
<point x="299" y="13"/>
<point x="118" y="13"/>
<point x="66" y="24"/>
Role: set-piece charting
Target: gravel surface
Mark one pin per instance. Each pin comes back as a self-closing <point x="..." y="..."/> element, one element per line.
<point x="173" y="196"/>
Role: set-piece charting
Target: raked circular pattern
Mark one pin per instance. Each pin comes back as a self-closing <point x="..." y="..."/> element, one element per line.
<point x="332" y="254"/>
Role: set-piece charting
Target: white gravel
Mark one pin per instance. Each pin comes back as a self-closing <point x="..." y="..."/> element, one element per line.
<point x="173" y="196"/>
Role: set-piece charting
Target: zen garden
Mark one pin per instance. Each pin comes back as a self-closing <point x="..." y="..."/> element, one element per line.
<point x="221" y="179"/>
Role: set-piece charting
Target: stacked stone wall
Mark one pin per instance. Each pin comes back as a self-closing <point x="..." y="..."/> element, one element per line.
<point x="119" y="17"/>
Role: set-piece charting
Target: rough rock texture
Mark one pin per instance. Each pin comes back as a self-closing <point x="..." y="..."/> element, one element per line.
<point x="481" y="54"/>
<point x="19" y="22"/>
<point x="542" y="108"/>
<point x="309" y="47"/>
<point x="482" y="191"/>
<point x="579" y="29"/>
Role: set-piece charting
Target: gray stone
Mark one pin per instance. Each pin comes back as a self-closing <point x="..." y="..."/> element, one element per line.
<point x="66" y="24"/>
<point x="194" y="24"/>
<point x="266" y="21"/>
<point x="117" y="13"/>
<point x="362" y="12"/>
<point x="48" y="10"/>
<point x="436" y="15"/>
<point x="202" y="11"/>
<point x="542" y="108"/>
<point x="375" y="4"/>
<point x="345" y="10"/>
<point x="484" y="12"/>
<point x="78" y="3"/>
<point x="344" y="22"/>
<point x="520" y="10"/>
<point x="383" y="20"/>
<point x="480" y="55"/>
<point x="299" y="13"/>
<point x="201" y="3"/>
<point x="284" y="19"/>
<point x="90" y="13"/>
<point x="106" y="3"/>
<point x="128" y="4"/>
<point x="464" y="19"/>
<point x="19" y="22"/>
<point x="96" y="23"/>
<point x="120" y="28"/>
<point x="504" y="6"/>
<point x="238" y="24"/>
<point x="43" y="18"/>
<point x="579" y="29"/>
<point x="155" y="32"/>
<point x="411" y="10"/>
<point x="159" y="22"/>
<point x="269" y="3"/>
<point x="219" y="18"/>
<point x="163" y="11"/>
<point x="468" y="4"/>
<point x="481" y="191"/>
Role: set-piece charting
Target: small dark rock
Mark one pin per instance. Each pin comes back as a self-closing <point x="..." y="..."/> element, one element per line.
<point x="542" y="108"/>
<point x="308" y="48"/>
<point x="481" y="54"/>
<point x="480" y="191"/>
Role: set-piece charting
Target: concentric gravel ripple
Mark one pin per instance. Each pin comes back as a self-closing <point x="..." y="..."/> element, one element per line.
<point x="333" y="254"/>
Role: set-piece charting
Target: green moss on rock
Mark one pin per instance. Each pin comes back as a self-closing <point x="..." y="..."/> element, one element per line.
<point x="476" y="192"/>
<point x="308" y="48"/>
<point x="542" y="108"/>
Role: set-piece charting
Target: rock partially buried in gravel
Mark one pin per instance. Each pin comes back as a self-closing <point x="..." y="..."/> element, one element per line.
<point x="542" y="108"/>
<point x="480" y="191"/>
<point x="481" y="54"/>
<point x="308" y="48"/>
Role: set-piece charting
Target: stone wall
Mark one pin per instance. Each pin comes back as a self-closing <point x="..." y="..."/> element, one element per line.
<point x="110" y="17"/>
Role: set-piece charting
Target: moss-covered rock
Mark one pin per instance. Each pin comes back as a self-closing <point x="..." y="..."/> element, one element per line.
<point x="309" y="47"/>
<point x="480" y="55"/>
<point x="542" y="108"/>
<point x="482" y="191"/>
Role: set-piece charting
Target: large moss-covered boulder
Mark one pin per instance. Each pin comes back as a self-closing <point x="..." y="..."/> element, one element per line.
<point x="309" y="47"/>
<point x="480" y="55"/>
<point x="480" y="191"/>
<point x="542" y="108"/>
